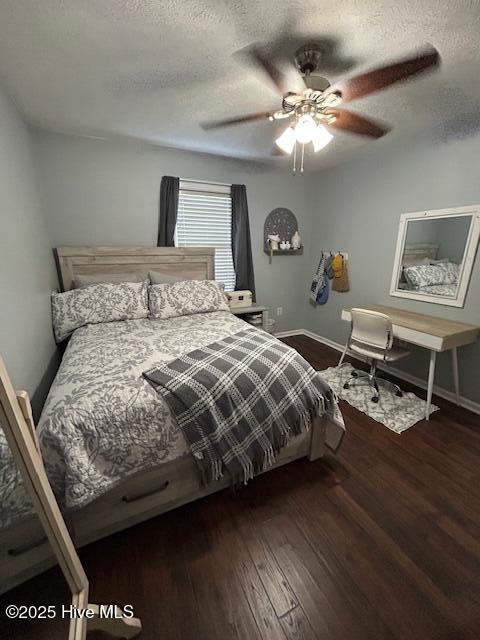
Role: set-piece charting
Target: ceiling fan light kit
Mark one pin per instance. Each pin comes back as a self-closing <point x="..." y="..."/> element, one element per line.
<point x="304" y="132"/>
<point x="287" y="140"/>
<point x="321" y="138"/>
<point x="305" y="129"/>
<point x="315" y="106"/>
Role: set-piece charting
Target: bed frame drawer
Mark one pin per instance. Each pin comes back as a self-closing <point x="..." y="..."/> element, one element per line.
<point x="137" y="498"/>
<point x="153" y="492"/>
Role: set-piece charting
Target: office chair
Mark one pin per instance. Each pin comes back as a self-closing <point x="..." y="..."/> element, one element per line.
<point x="371" y="335"/>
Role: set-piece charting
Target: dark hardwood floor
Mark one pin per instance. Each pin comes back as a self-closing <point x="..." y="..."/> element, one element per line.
<point x="379" y="542"/>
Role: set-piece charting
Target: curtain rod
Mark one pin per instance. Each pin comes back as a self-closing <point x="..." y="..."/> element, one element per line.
<point x="218" y="184"/>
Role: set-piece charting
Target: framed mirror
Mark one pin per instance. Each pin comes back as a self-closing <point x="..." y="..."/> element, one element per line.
<point x="435" y="255"/>
<point x="25" y="488"/>
<point x="26" y="551"/>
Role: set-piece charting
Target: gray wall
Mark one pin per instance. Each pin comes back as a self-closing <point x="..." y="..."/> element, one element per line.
<point x="356" y="207"/>
<point x="107" y="192"/>
<point x="99" y="192"/>
<point x="27" y="271"/>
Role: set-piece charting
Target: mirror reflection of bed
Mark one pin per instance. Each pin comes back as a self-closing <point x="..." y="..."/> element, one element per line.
<point x="435" y="255"/>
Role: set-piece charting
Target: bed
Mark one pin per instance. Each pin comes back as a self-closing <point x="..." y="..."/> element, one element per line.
<point x="424" y="273"/>
<point x="131" y="462"/>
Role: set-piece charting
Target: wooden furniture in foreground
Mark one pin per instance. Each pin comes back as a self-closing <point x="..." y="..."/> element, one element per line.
<point x="429" y="332"/>
<point x="147" y="493"/>
<point x="24" y="450"/>
<point x="26" y="409"/>
<point x="254" y="308"/>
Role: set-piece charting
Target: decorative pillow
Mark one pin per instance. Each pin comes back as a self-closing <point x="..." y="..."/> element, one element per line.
<point x="158" y="277"/>
<point x="102" y="278"/>
<point x="98" y="303"/>
<point x="185" y="298"/>
<point x="427" y="275"/>
<point x="410" y="262"/>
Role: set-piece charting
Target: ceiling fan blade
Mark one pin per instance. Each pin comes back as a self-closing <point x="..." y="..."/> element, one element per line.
<point x="275" y="75"/>
<point x="283" y="82"/>
<point x="353" y="123"/>
<point x="253" y="117"/>
<point x="380" y="78"/>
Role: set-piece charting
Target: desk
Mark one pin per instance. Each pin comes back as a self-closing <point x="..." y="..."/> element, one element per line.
<point x="429" y="332"/>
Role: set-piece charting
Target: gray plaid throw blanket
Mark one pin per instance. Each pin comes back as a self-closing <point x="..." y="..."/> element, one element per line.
<point x="238" y="401"/>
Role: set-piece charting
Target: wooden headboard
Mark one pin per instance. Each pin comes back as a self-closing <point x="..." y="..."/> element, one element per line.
<point x="418" y="251"/>
<point x="195" y="263"/>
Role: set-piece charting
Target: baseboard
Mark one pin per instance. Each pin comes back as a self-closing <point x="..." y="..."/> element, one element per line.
<point x="466" y="403"/>
<point x="294" y="332"/>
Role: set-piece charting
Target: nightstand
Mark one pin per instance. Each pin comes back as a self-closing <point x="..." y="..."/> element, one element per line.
<point x="254" y="308"/>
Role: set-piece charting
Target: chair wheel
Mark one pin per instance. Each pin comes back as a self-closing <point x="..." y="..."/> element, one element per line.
<point x="346" y="385"/>
<point x="399" y="394"/>
<point x="375" y="399"/>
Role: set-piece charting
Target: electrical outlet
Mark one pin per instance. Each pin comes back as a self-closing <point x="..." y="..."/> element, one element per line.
<point x="279" y="311"/>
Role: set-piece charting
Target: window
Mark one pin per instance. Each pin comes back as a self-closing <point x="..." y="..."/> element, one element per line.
<point x="204" y="219"/>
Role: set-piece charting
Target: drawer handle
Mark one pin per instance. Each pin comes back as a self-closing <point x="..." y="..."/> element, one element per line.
<point x="26" y="547"/>
<point x="129" y="499"/>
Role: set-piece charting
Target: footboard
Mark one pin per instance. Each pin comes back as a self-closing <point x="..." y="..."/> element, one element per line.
<point x="317" y="439"/>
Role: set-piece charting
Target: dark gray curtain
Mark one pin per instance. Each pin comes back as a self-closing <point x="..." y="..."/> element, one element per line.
<point x="241" y="243"/>
<point x="168" y="210"/>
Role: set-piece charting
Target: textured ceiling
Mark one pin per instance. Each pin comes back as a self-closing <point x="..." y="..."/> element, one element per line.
<point x="154" y="69"/>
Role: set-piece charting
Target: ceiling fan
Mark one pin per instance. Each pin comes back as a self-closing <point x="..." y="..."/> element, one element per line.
<point x="314" y="105"/>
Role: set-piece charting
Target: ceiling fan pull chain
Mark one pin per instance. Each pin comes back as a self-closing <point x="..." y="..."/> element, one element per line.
<point x="295" y="159"/>
<point x="303" y="155"/>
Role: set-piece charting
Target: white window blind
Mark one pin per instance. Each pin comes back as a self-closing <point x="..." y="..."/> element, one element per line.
<point x="204" y="219"/>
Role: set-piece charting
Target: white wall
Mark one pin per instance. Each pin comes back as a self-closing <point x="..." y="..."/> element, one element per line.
<point x="99" y="192"/>
<point x="27" y="271"/>
<point x="356" y="208"/>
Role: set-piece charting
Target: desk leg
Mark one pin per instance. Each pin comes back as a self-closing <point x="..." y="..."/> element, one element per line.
<point x="456" y="379"/>
<point x="431" y="377"/>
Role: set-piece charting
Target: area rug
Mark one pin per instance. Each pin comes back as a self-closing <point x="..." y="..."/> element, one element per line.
<point x="398" y="414"/>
